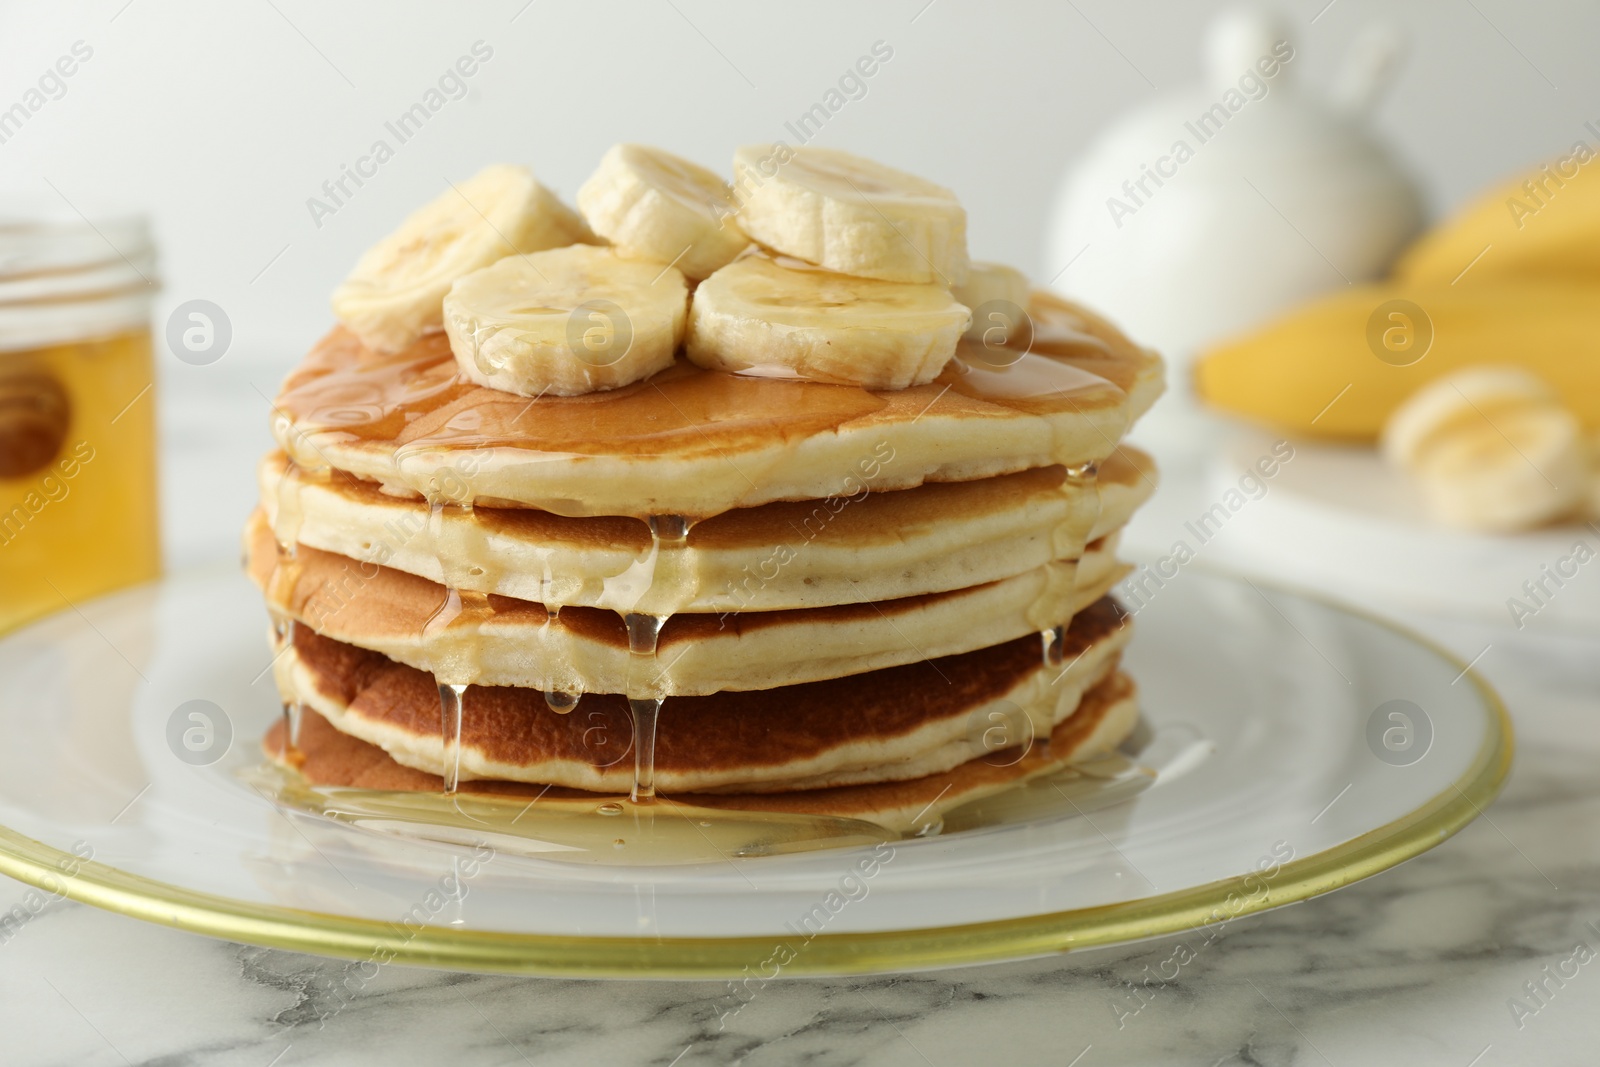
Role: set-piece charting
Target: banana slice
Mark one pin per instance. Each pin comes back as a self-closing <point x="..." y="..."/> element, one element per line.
<point x="792" y="320"/>
<point x="651" y="204"/>
<point x="566" y="321"/>
<point x="394" y="294"/>
<point x="998" y="296"/>
<point x="850" y="214"/>
<point x="1491" y="448"/>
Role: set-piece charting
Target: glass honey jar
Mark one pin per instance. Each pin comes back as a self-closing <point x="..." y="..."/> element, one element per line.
<point x="78" y="505"/>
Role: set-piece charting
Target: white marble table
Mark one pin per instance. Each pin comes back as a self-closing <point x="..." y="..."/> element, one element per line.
<point x="1417" y="966"/>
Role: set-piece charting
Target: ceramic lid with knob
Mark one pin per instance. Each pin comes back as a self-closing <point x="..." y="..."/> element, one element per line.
<point x="1206" y="211"/>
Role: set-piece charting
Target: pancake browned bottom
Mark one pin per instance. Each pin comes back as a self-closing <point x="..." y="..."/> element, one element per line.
<point x="1105" y="716"/>
<point x="896" y="723"/>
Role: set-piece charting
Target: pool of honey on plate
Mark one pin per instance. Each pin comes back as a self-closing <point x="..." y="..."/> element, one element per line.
<point x="78" y="501"/>
<point x="661" y="831"/>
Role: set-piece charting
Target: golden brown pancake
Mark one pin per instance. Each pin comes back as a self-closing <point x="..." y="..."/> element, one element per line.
<point x="503" y="641"/>
<point x="1105" y="716"/>
<point x="694" y="442"/>
<point x="849" y="550"/>
<point x="893" y="724"/>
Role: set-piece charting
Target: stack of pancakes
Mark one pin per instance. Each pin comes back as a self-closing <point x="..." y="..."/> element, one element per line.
<point x="759" y="494"/>
<point x="931" y="625"/>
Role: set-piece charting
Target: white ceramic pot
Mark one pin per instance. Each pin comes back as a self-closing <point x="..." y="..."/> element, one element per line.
<point x="1205" y="212"/>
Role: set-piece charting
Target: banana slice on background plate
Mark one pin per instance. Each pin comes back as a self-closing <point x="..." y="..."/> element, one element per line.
<point x="651" y="204"/>
<point x="850" y="214"/>
<point x="566" y="321"/>
<point x="396" y="291"/>
<point x="763" y="316"/>
<point x="1491" y="448"/>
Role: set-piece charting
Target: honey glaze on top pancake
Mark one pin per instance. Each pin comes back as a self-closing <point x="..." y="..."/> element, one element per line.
<point x="416" y="399"/>
<point x="398" y="418"/>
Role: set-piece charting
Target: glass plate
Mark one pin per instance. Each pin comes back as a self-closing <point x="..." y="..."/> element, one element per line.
<point x="1301" y="746"/>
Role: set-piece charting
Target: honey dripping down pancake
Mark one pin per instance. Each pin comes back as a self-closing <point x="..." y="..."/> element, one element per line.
<point x="1107" y="714"/>
<point x="819" y="510"/>
<point x="871" y="546"/>
<point x="497" y="640"/>
<point x="898" y="724"/>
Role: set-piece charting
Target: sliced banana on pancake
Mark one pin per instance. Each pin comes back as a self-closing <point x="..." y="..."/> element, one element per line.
<point x="1491" y="448"/>
<point x="850" y="214"/>
<point x="565" y="322"/>
<point x="651" y="204"/>
<point x="394" y="294"/>
<point x="790" y="320"/>
<point x="998" y="298"/>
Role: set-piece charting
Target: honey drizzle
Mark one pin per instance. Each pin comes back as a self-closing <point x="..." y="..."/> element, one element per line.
<point x="669" y="534"/>
<point x="1070" y="540"/>
<point x="1054" y="641"/>
<point x="560" y="702"/>
<point x="451" y="632"/>
<point x="452" y="698"/>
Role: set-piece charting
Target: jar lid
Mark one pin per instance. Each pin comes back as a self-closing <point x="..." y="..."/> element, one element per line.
<point x="65" y="277"/>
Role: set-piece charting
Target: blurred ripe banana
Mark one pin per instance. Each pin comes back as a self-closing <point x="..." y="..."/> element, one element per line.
<point x="651" y="204"/>
<point x="1491" y="448"/>
<point x="850" y="214"/>
<point x="1592" y="504"/>
<point x="993" y="283"/>
<point x="566" y="321"/>
<point x="1545" y="224"/>
<point x="789" y="319"/>
<point x="396" y="291"/>
<point x="1339" y="366"/>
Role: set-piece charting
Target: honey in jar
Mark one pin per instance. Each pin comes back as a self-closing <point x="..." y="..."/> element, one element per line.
<point x="78" y="505"/>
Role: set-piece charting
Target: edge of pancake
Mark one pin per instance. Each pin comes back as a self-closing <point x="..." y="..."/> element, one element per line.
<point x="517" y="643"/>
<point x="779" y="556"/>
<point x="902" y="722"/>
<point x="920" y="434"/>
<point x="1108" y="714"/>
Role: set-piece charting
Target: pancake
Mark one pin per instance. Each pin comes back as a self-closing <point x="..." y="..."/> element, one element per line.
<point x="693" y="442"/>
<point x="504" y="641"/>
<point x="1106" y="715"/>
<point x="849" y="550"/>
<point x="889" y="725"/>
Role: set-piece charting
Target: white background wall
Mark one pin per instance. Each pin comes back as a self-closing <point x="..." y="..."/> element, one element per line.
<point x="222" y="118"/>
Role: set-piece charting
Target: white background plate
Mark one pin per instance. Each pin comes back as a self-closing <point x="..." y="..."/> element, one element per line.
<point x="1341" y="519"/>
